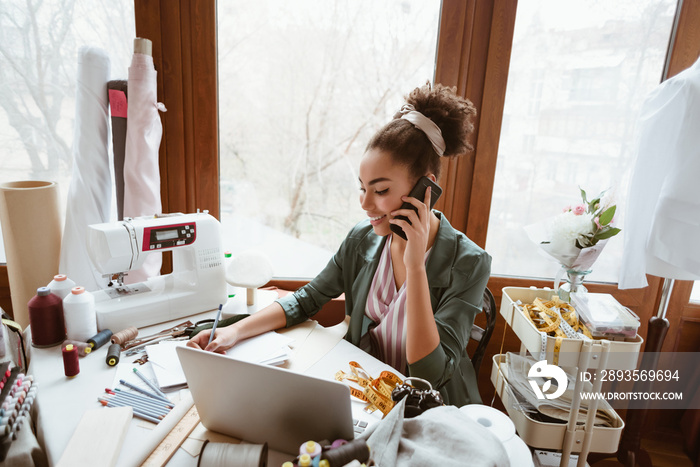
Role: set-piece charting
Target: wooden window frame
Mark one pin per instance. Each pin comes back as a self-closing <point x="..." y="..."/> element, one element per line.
<point x="473" y="54"/>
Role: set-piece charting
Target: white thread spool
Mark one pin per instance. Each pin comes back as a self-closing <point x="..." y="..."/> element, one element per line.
<point x="79" y="314"/>
<point x="232" y="455"/>
<point x="61" y="285"/>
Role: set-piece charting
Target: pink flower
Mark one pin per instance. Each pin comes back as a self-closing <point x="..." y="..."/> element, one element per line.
<point x="580" y="209"/>
<point x="566" y="209"/>
<point x="597" y="222"/>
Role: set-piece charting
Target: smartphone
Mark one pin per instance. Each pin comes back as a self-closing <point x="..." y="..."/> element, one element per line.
<point x="418" y="192"/>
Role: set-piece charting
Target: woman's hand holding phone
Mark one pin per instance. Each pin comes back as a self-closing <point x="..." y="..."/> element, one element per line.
<point x="415" y="225"/>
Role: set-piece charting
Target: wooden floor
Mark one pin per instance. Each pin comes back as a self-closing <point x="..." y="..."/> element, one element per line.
<point x="664" y="451"/>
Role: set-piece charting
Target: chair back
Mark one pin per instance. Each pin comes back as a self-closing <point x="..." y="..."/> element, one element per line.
<point x="480" y="335"/>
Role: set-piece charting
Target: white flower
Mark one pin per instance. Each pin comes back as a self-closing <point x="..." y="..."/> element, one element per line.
<point x="567" y="227"/>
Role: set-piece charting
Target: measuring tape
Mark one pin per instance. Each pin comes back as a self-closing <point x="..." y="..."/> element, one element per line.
<point x="557" y="319"/>
<point x="165" y="450"/>
<point x="376" y="391"/>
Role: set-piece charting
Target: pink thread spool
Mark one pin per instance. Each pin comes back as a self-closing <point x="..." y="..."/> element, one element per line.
<point x="46" y="318"/>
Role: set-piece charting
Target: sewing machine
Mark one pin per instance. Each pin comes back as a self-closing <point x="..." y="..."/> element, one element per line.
<point x="197" y="283"/>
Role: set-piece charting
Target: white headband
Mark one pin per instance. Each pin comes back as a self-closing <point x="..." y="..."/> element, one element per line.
<point x="426" y="125"/>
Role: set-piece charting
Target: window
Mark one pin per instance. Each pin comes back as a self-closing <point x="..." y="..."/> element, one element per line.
<point x="579" y="72"/>
<point x="302" y="87"/>
<point x="38" y="68"/>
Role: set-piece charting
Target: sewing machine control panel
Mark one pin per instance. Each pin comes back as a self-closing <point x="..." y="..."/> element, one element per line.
<point x="168" y="236"/>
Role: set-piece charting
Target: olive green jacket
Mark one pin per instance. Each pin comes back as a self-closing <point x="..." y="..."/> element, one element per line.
<point x="457" y="270"/>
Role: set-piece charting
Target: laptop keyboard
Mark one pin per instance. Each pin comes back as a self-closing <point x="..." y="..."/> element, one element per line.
<point x="358" y="426"/>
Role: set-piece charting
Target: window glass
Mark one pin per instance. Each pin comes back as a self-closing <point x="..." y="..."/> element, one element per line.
<point x="695" y="293"/>
<point x="302" y="87"/>
<point x="579" y="72"/>
<point x="38" y="69"/>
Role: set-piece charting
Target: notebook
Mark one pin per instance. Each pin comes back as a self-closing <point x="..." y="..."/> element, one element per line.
<point x="261" y="403"/>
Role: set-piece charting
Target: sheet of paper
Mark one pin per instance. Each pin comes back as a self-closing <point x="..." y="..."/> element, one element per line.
<point x="166" y="366"/>
<point x="259" y="348"/>
<point x="316" y="345"/>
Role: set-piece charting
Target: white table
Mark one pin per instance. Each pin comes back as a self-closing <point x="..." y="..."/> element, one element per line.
<point x="62" y="401"/>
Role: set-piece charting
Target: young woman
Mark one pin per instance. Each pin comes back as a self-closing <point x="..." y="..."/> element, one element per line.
<point x="411" y="301"/>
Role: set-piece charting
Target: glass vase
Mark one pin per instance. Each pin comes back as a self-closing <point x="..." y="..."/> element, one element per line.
<point x="573" y="284"/>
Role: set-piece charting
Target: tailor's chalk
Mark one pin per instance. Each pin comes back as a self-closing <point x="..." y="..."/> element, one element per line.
<point x="143" y="391"/>
<point x="113" y="354"/>
<point x="99" y="339"/>
<point x="150" y="384"/>
<point x="216" y="323"/>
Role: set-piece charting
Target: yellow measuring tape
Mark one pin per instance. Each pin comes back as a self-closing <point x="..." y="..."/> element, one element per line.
<point x="167" y="448"/>
<point x="548" y="317"/>
<point x="375" y="391"/>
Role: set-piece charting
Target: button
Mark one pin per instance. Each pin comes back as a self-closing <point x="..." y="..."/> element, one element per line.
<point x="153" y="247"/>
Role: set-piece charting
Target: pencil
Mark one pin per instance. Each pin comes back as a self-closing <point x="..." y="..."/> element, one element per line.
<point x="216" y="322"/>
<point x="151" y="385"/>
<point x="143" y="391"/>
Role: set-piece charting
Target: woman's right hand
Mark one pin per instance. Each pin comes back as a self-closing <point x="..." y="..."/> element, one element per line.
<point x="224" y="339"/>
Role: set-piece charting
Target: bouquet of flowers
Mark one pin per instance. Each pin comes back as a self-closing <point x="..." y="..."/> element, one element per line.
<point x="577" y="236"/>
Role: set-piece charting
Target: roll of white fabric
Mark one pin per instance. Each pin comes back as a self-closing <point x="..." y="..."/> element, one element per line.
<point x="143" y="135"/>
<point x="79" y="315"/>
<point x="90" y="192"/>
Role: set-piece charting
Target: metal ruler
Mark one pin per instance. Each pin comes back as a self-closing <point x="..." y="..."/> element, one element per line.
<point x="165" y="450"/>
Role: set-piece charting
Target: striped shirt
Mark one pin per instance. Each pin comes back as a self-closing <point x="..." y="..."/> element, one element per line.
<point x="386" y="307"/>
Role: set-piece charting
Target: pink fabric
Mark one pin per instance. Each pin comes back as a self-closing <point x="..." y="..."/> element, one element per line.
<point x="143" y="135"/>
<point x="386" y="307"/>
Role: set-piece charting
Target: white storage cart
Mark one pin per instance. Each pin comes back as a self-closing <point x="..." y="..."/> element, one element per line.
<point x="582" y="355"/>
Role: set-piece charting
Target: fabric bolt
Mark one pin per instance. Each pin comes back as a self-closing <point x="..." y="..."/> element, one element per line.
<point x="90" y="191"/>
<point x="143" y="136"/>
<point x="118" y="97"/>
<point x="457" y="270"/>
<point x="665" y="183"/>
<point x="386" y="307"/>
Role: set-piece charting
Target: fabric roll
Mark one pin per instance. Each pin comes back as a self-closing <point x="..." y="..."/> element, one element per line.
<point x="31" y="228"/>
<point x="90" y="192"/>
<point x="143" y="135"/>
<point x="118" y="97"/>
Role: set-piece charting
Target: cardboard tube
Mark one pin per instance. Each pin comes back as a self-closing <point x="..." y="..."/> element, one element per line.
<point x="31" y="228"/>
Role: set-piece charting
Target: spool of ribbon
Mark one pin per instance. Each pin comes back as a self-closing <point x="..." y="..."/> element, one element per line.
<point x="232" y="455"/>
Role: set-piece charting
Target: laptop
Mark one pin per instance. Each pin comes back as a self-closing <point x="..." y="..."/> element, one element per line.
<point x="262" y="403"/>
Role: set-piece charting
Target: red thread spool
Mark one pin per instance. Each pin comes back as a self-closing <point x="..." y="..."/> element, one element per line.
<point x="71" y="366"/>
<point x="46" y="318"/>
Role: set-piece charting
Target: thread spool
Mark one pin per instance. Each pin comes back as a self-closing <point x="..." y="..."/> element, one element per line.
<point x="71" y="367"/>
<point x="99" y="339"/>
<point x="79" y="313"/>
<point x="46" y="318"/>
<point x="312" y="448"/>
<point x="113" y="354"/>
<point x="125" y="335"/>
<point x="232" y="455"/>
<point x="354" y="450"/>
<point x="61" y="285"/>
<point x="83" y="348"/>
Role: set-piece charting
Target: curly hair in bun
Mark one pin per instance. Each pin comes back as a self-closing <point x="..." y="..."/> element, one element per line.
<point x="410" y="146"/>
